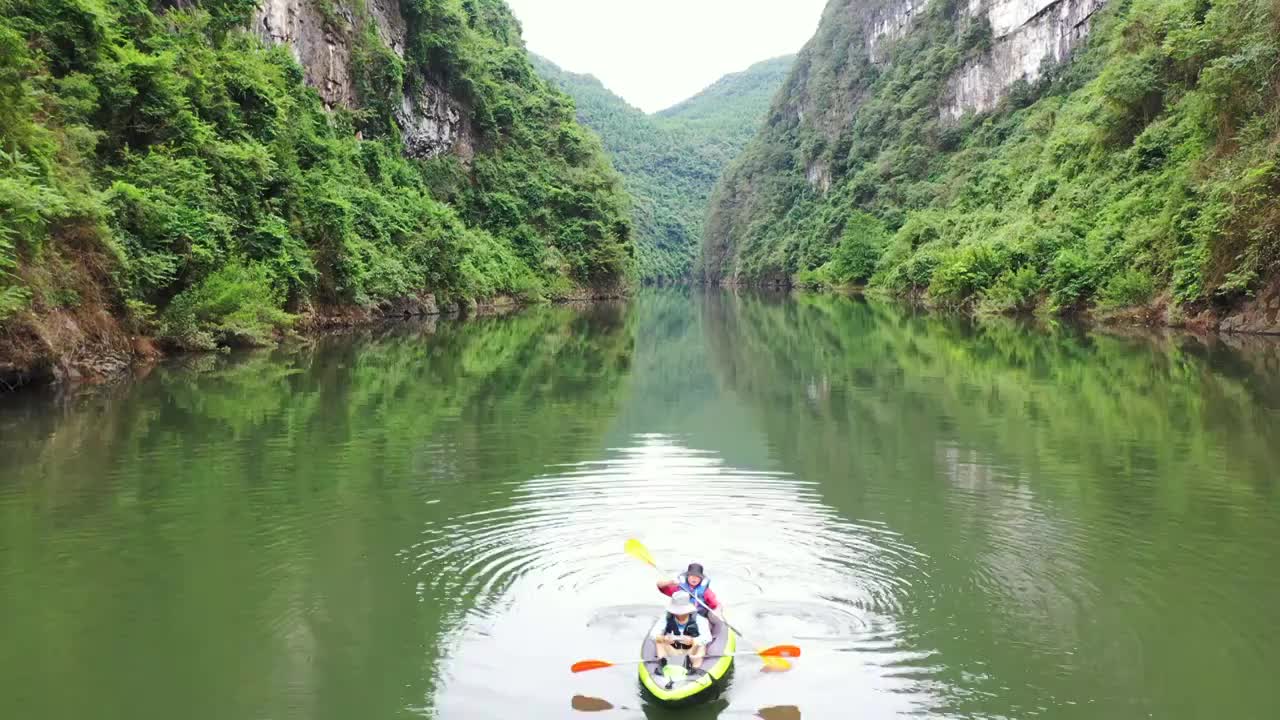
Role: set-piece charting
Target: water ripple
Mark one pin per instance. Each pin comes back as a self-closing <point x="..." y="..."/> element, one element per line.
<point x="557" y="545"/>
<point x="565" y="529"/>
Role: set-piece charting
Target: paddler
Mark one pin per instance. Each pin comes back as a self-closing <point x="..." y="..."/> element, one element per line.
<point x="683" y="633"/>
<point x="695" y="582"/>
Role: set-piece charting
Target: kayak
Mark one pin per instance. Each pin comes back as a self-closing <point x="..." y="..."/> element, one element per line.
<point x="676" y="686"/>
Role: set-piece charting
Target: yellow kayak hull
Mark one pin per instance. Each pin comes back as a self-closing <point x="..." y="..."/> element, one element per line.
<point x="674" y="688"/>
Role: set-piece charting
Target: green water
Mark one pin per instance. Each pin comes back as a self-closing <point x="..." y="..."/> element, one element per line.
<point x="953" y="520"/>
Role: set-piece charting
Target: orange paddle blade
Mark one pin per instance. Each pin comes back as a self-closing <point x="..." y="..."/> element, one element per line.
<point x="586" y="665"/>
<point x="790" y="651"/>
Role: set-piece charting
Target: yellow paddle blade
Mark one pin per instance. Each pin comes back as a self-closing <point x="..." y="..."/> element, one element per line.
<point x="636" y="549"/>
<point x="773" y="657"/>
<point x="776" y="664"/>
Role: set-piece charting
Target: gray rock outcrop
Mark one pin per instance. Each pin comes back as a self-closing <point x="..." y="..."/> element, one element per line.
<point x="322" y="36"/>
<point x="433" y="123"/>
<point x="1259" y="315"/>
<point x="323" y="52"/>
<point x="1027" y="37"/>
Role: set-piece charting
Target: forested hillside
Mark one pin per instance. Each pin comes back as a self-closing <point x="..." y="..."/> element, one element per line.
<point x="723" y="118"/>
<point x="167" y="170"/>
<point x="1144" y="168"/>
<point x="672" y="159"/>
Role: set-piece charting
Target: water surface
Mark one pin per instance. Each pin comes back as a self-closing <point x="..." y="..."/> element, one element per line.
<point x="954" y="520"/>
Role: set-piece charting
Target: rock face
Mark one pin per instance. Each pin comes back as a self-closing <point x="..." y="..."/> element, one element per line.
<point x="409" y="306"/>
<point x="432" y="123"/>
<point x="321" y="34"/>
<point x="325" y="55"/>
<point x="1027" y="35"/>
<point x="1259" y="315"/>
<point x="890" y="22"/>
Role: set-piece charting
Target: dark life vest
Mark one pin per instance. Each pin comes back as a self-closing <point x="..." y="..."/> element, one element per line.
<point x="690" y="630"/>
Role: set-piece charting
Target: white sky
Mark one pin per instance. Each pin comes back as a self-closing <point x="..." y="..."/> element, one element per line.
<point x="656" y="53"/>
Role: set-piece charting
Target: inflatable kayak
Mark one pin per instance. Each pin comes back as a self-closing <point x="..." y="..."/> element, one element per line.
<point x="676" y="686"/>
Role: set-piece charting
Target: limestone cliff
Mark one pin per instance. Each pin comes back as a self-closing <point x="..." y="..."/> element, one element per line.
<point x="323" y="35"/>
<point x="1026" y="35"/>
<point x="1024" y="38"/>
<point x="1001" y="43"/>
<point x="1010" y="156"/>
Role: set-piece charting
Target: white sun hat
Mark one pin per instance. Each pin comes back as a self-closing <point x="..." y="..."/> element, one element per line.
<point x="681" y="604"/>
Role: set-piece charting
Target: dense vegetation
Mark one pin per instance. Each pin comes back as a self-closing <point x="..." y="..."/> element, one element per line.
<point x="167" y="167"/>
<point x="1147" y="167"/>
<point x="671" y="160"/>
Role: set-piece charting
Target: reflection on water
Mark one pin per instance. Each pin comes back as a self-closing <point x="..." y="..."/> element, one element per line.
<point x="1097" y="513"/>
<point x="583" y="703"/>
<point x="953" y="520"/>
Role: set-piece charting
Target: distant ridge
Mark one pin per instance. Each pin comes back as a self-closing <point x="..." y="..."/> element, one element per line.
<point x="671" y="160"/>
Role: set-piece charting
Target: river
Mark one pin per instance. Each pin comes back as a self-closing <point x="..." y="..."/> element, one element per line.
<point x="952" y="519"/>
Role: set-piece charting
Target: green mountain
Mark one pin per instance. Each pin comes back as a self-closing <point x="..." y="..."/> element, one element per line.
<point x="1061" y="154"/>
<point x="723" y="118"/>
<point x="671" y="160"/>
<point x="202" y="171"/>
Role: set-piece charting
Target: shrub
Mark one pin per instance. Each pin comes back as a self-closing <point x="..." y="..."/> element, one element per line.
<point x="1132" y="86"/>
<point x="27" y="209"/>
<point x="917" y="272"/>
<point x="861" y="246"/>
<point x="13" y="300"/>
<point x="1014" y="291"/>
<point x="1071" y="279"/>
<point x="964" y="271"/>
<point x="1127" y="289"/>
<point x="237" y="304"/>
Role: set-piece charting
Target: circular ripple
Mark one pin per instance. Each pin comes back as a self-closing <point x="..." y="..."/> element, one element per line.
<point x="785" y="565"/>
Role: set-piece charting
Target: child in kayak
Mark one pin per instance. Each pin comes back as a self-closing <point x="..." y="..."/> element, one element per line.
<point x="683" y="633"/>
<point x="695" y="582"/>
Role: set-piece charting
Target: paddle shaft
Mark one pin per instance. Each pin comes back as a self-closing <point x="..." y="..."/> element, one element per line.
<point x="723" y="619"/>
<point x="638" y="550"/>
<point x="620" y="663"/>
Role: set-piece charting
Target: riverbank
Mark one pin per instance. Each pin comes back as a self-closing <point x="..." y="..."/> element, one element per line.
<point x="1259" y="315"/>
<point x="91" y="345"/>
